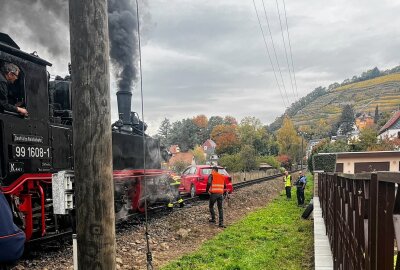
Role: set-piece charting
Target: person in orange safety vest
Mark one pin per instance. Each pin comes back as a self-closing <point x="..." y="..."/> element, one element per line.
<point x="216" y="187"/>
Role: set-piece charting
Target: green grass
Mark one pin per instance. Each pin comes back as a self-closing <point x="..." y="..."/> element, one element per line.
<point x="274" y="237"/>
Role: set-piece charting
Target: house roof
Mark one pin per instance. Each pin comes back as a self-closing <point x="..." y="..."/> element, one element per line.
<point x="364" y="154"/>
<point x="173" y="149"/>
<point x="391" y="122"/>
<point x="210" y="143"/>
<point x="182" y="156"/>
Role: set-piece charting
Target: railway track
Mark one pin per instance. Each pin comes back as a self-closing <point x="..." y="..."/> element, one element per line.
<point x="240" y="185"/>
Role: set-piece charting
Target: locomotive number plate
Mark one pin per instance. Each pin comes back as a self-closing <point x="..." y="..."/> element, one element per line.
<point x="31" y="152"/>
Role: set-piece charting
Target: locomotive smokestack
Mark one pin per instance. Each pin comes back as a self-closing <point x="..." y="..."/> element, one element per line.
<point x="124" y="99"/>
<point x="122" y="23"/>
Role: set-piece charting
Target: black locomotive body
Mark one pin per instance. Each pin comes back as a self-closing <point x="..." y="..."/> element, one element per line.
<point x="36" y="170"/>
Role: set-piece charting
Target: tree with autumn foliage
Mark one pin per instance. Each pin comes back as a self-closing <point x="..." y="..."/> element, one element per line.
<point x="201" y="122"/>
<point x="248" y="130"/>
<point x="285" y="161"/>
<point x="252" y="132"/>
<point x="288" y="140"/>
<point x="230" y="120"/>
<point x="199" y="155"/>
<point x="227" y="139"/>
<point x="213" y="121"/>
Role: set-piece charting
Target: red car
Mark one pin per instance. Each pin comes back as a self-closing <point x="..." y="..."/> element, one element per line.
<point x="194" y="179"/>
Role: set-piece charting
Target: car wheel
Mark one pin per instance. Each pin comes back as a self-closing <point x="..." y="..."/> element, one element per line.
<point x="192" y="191"/>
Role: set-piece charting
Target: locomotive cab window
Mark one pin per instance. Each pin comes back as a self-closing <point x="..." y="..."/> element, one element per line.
<point x="12" y="88"/>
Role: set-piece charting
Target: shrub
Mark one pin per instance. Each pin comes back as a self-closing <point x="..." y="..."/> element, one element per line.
<point x="324" y="162"/>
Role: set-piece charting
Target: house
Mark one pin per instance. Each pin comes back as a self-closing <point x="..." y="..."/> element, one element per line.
<point x="265" y="167"/>
<point x="209" y="147"/>
<point x="363" y="121"/>
<point x="358" y="162"/>
<point x="213" y="160"/>
<point x="185" y="157"/>
<point x="391" y="129"/>
<point x="173" y="149"/>
<point x="311" y="145"/>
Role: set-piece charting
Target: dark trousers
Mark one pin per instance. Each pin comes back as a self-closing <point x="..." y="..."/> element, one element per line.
<point x="288" y="192"/>
<point x="217" y="198"/>
<point x="300" y="196"/>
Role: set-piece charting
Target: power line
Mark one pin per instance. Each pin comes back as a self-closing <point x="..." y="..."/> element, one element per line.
<point x="269" y="55"/>
<point x="273" y="46"/>
<point x="284" y="45"/>
<point x="290" y="48"/>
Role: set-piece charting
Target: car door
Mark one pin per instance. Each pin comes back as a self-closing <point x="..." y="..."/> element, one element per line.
<point x="192" y="176"/>
<point x="185" y="182"/>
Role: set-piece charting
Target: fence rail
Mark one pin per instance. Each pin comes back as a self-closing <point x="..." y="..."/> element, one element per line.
<point x="362" y="217"/>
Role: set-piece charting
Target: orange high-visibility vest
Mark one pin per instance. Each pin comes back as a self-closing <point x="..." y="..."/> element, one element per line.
<point x="217" y="185"/>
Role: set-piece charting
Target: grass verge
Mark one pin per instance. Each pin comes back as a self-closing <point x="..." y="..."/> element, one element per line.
<point x="275" y="237"/>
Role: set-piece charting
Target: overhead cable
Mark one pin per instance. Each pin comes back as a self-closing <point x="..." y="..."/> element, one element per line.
<point x="284" y="45"/>
<point x="276" y="56"/>
<point x="290" y="48"/>
<point x="269" y="55"/>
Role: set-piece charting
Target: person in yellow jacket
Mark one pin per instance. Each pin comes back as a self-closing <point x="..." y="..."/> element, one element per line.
<point x="216" y="187"/>
<point x="174" y="184"/>
<point x="287" y="179"/>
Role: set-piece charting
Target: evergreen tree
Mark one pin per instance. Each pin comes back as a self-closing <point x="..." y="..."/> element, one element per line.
<point x="376" y="116"/>
<point x="346" y="121"/>
<point x="248" y="157"/>
<point x="164" y="132"/>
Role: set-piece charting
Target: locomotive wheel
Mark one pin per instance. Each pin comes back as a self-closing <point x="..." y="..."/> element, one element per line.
<point x="192" y="191"/>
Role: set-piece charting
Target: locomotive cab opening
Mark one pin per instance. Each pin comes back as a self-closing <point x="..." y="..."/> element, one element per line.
<point x="16" y="92"/>
<point x="60" y="100"/>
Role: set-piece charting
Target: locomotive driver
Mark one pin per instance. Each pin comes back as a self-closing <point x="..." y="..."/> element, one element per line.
<point x="8" y="75"/>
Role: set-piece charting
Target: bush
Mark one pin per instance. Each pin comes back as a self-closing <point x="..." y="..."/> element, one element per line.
<point x="231" y="162"/>
<point x="324" y="162"/>
<point x="179" y="166"/>
<point x="270" y="160"/>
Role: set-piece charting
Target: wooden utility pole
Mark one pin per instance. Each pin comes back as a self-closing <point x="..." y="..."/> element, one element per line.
<point x="92" y="134"/>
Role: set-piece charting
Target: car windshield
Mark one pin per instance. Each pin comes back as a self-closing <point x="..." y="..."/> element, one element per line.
<point x="208" y="171"/>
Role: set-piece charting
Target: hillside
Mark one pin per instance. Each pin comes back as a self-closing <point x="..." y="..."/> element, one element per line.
<point x="383" y="91"/>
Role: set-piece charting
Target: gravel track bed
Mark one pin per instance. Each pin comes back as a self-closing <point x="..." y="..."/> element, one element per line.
<point x="171" y="235"/>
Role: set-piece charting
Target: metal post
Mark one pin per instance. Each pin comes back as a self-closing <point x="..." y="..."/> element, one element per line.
<point x="74" y="252"/>
<point x="302" y="155"/>
<point x="92" y="134"/>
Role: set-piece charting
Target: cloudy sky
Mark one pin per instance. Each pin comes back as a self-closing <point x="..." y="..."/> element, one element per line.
<point x="209" y="56"/>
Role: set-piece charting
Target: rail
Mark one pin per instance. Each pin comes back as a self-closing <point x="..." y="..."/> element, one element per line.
<point x="362" y="217"/>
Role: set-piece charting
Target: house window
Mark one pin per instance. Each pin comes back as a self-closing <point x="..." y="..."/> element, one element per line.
<point x="205" y="147"/>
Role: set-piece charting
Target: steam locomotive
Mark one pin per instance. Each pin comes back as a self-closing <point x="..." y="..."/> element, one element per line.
<point x="37" y="163"/>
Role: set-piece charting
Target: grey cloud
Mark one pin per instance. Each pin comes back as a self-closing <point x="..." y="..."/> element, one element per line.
<point x="208" y="57"/>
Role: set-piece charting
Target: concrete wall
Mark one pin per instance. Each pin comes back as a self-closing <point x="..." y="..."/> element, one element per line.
<point x="245" y="176"/>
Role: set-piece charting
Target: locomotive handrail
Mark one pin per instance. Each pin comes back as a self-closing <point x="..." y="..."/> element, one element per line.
<point x="24" y="178"/>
